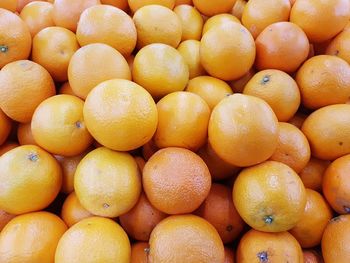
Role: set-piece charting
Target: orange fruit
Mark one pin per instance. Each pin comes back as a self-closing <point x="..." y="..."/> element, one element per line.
<point x="308" y="231"/>
<point x="274" y="51"/>
<point x="243" y="130"/>
<point x="24" y="134"/>
<point x="218" y="209"/>
<point x="7" y="146"/>
<point x="67" y="13"/>
<point x="210" y="8"/>
<point x="312" y="174"/>
<point x="176" y="180"/>
<point x="328" y="131"/>
<point x="16" y="41"/>
<point x="119" y="32"/>
<point x="293" y="149"/>
<point x="278" y="89"/>
<point x="148" y="149"/>
<point x="219" y="20"/>
<point x="259" y="247"/>
<point x="257" y="14"/>
<point x="72" y="211"/>
<point x="324" y="80"/>
<point x="183" y="119"/>
<point x="183" y="2"/>
<point x="31" y="237"/>
<point x="189" y="50"/>
<point x="336" y="184"/>
<point x="320" y="20"/>
<point x="311" y="256"/>
<point x="335" y="239"/>
<point x="233" y="57"/>
<point x="79" y="244"/>
<point x="211" y="89"/>
<point x="4" y="219"/>
<point x="53" y="48"/>
<point x="157" y="24"/>
<point x="26" y="170"/>
<point x="160" y="69"/>
<point x="93" y="64"/>
<point x="191" y="20"/>
<point x="141" y="219"/>
<point x="5" y="127"/>
<point x="21" y="80"/>
<point x="140" y="162"/>
<point x="137" y="4"/>
<point x="58" y="126"/>
<point x="139" y="252"/>
<point x="104" y="171"/>
<point x="339" y="46"/>
<point x="298" y="119"/>
<point x="10" y="5"/>
<point x="120" y="115"/>
<point x="121" y="4"/>
<point x="66" y="89"/>
<point x="238" y="85"/>
<point x="22" y="3"/>
<point x="238" y="8"/>
<point x="189" y="237"/>
<point x="229" y="255"/>
<point x="37" y="15"/>
<point x="269" y="196"/>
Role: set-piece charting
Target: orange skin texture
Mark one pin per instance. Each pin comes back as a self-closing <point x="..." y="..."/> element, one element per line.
<point x="274" y="51"/>
<point x="10" y="5"/>
<point x="22" y="3"/>
<point x="183" y="2"/>
<point x="119" y="32"/>
<point x="7" y="146"/>
<point x="16" y="41"/>
<point x="139" y="252"/>
<point x="24" y="134"/>
<point x="255" y="247"/>
<point x="309" y="230"/>
<point x="218" y="209"/>
<point x="66" y="89"/>
<point x="189" y="237"/>
<point x="219" y="20"/>
<point x="258" y="14"/>
<point x="269" y="196"/>
<point x="67" y="13"/>
<point x="176" y="180"/>
<point x="298" y="119"/>
<point x="324" y="80"/>
<point x="140" y="162"/>
<point x="339" y="46"/>
<point x="243" y="130"/>
<point x="121" y="4"/>
<point x="320" y="20"/>
<point x="72" y="211"/>
<point x="5" y="127"/>
<point x="229" y="255"/>
<point x="137" y="4"/>
<point x="238" y="85"/>
<point x="210" y="8"/>
<point x="335" y="240"/>
<point x="312" y="174"/>
<point x="311" y="256"/>
<point x="141" y="219"/>
<point x="21" y="79"/>
<point x="191" y="20"/>
<point x="238" y="8"/>
<point x="293" y="149"/>
<point x="4" y="219"/>
<point x="328" y="131"/>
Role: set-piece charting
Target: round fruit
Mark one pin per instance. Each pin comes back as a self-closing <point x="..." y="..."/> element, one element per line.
<point x="312" y="174"/>
<point x="210" y="8"/>
<point x="72" y="211"/>
<point x="137" y="4"/>
<point x="5" y="127"/>
<point x="238" y="8"/>
<point x="239" y="84"/>
<point x="66" y="89"/>
<point x="10" y="5"/>
<point x="311" y="256"/>
<point x="7" y="146"/>
<point x="191" y="20"/>
<point x="139" y="252"/>
<point x="24" y="134"/>
<point x="219" y="20"/>
<point x="229" y="255"/>
<point x="4" y="219"/>
<point x="121" y="4"/>
<point x="339" y="46"/>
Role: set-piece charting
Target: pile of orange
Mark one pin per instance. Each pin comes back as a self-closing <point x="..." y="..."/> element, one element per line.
<point x="174" y="131"/>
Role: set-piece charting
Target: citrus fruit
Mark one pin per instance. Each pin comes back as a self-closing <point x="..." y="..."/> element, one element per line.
<point x="210" y="8"/>
<point x="219" y="20"/>
<point x="4" y="219"/>
<point x="137" y="4"/>
<point x="72" y="211"/>
<point x="191" y="21"/>
<point x="139" y="252"/>
<point x="121" y="4"/>
<point x="312" y="174"/>
<point x="339" y="46"/>
<point x="10" y="5"/>
<point x="5" y="127"/>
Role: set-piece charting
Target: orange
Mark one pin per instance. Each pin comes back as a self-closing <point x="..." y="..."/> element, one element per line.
<point x="119" y="32"/>
<point x="233" y="57"/>
<point x="31" y="238"/>
<point x="320" y="20"/>
<point x="183" y="119"/>
<point x="219" y="20"/>
<point x="274" y="49"/>
<point x="212" y="90"/>
<point x="210" y="8"/>
<point x="243" y="130"/>
<point x="5" y="127"/>
<point x="141" y="219"/>
<point x="53" y="48"/>
<point x="16" y="41"/>
<point x="72" y="211"/>
<point x="260" y="247"/>
<point x="24" y="134"/>
<point x="339" y="46"/>
<point x="121" y="4"/>
<point x="93" y="64"/>
<point x="140" y="162"/>
<point x="257" y="14"/>
<point x="324" y="80"/>
<point x="183" y="2"/>
<point x="176" y="180"/>
<point x="148" y="149"/>
<point x="328" y="131"/>
<point x="26" y="170"/>
<point x="21" y="80"/>
<point x="37" y="15"/>
<point x="229" y="255"/>
<point x="278" y="89"/>
<point x="269" y="197"/>
<point x="120" y="115"/>
<point x="189" y="50"/>
<point x="298" y="119"/>
<point x="239" y="84"/>
<point x="137" y="4"/>
<point x="104" y="171"/>
<point x="160" y="69"/>
<point x="4" y="219"/>
<point x="67" y="13"/>
<point x="191" y="20"/>
<point x="7" y="146"/>
<point x="312" y="174"/>
<point x="336" y="185"/>
<point x="139" y="252"/>
<point x="157" y="24"/>
<point x="218" y="209"/>
<point x="66" y="89"/>
<point x="311" y="256"/>
<point x="335" y="239"/>
<point x="308" y="231"/>
<point x="238" y="8"/>
<point x="58" y="126"/>
<point x="185" y="237"/>
<point x="293" y="149"/>
<point x="79" y="244"/>
<point x="10" y="5"/>
<point x="22" y="3"/>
